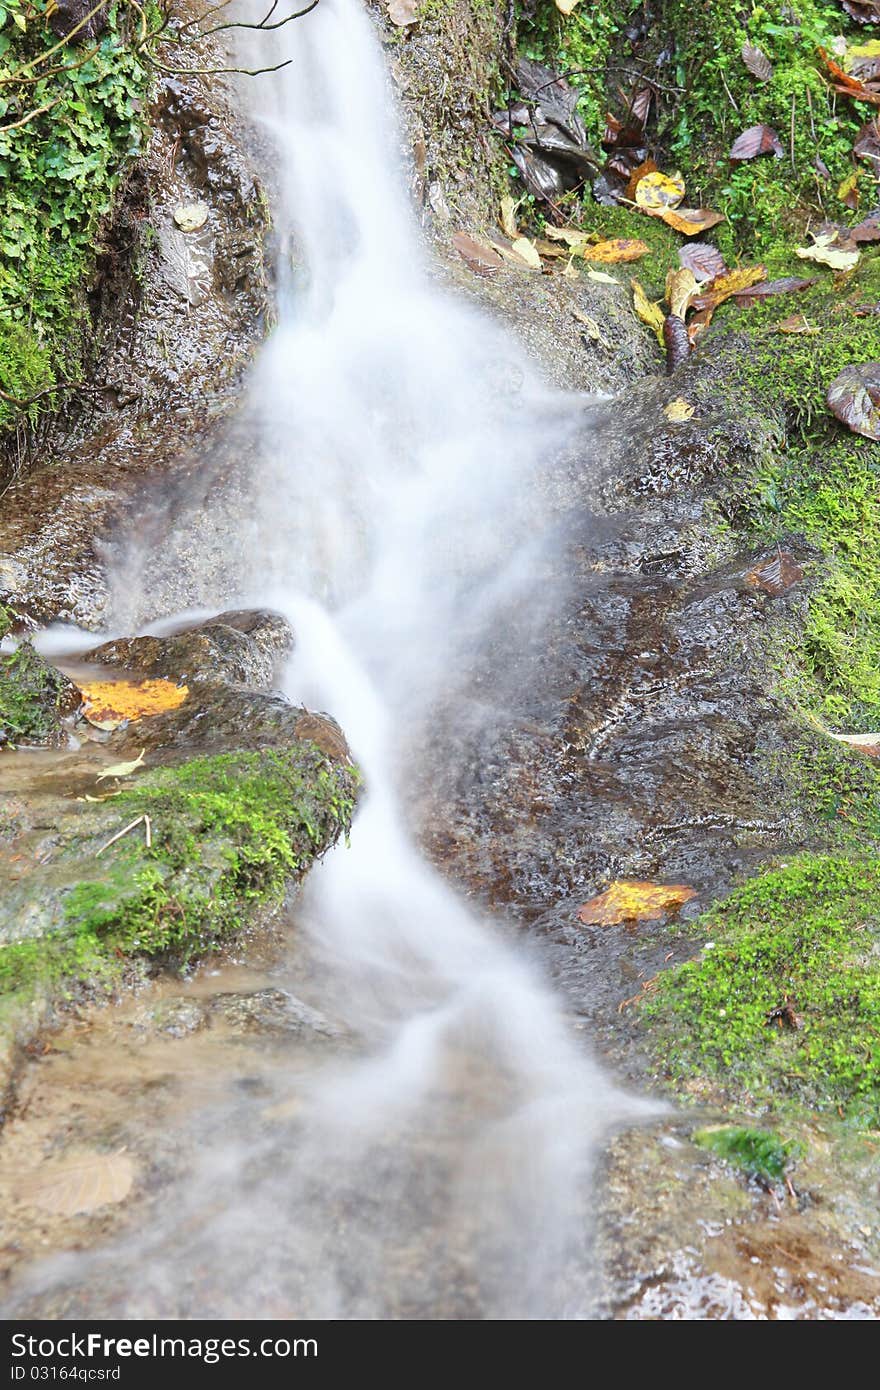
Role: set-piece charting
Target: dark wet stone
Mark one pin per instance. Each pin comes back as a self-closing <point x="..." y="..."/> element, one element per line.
<point x="270" y="1011"/>
<point x="245" y="647"/>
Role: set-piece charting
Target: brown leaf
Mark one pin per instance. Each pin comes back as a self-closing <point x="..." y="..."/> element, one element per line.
<point x="676" y="341"/>
<point x="681" y="286"/>
<point x="862" y="11"/>
<point x="758" y="63"/>
<point x="847" y="85"/>
<point x="698" y="323"/>
<point x="758" y="139"/>
<point x="75" y="1185"/>
<point x="704" y="260"/>
<point x="867" y="143"/>
<point x="776" y="574"/>
<point x="658" y="192"/>
<point x="690" y="221"/>
<point x="788" y="284"/>
<point x="848" y="191"/>
<point x="868" y="230"/>
<point x="797" y="323"/>
<point x="647" y="166"/>
<point x="481" y="259"/>
<point x="640" y="106"/>
<point x="632" y="900"/>
<point x="613" y="251"/>
<point x="854" y="398"/>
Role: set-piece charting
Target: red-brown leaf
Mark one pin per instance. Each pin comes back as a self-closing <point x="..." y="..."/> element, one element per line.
<point x="758" y="139"/>
<point x="775" y="574"/>
<point x="704" y="260"/>
<point x="868" y="230"/>
<point x="482" y="260"/>
<point x="867" y="143"/>
<point x="862" y="11"/>
<point x="787" y="285"/>
<point x="854" y="397"/>
<point x="678" y="344"/>
<point x="758" y="63"/>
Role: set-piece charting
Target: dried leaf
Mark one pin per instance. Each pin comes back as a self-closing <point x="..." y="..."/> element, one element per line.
<point x="191" y="216"/>
<point x="690" y="221"/>
<point x="786" y="285"/>
<point x="730" y="283"/>
<point x="862" y="11"/>
<point x="566" y="6"/>
<point x="824" y="252"/>
<point x="525" y="249"/>
<point x="614" y="250"/>
<point x="572" y="236"/>
<point x="698" y="323"/>
<point x="869" y="744"/>
<point x="681" y="287"/>
<point x="634" y="901"/>
<point x="847" y="85"/>
<point x="107" y="704"/>
<point x="678" y="411"/>
<point x="403" y="12"/>
<point x="758" y="139"/>
<point x="854" y="397"/>
<point x="508" y="217"/>
<point x="122" y="769"/>
<point x="481" y="259"/>
<point x="658" y="192"/>
<point x="867" y="143"/>
<point x="592" y="327"/>
<point x="601" y="277"/>
<point x="77" y="1185"/>
<point x="758" y="63"/>
<point x="796" y="323"/>
<point x="647" y="166"/>
<point x="649" y="312"/>
<point x="677" y="342"/>
<point x="775" y="575"/>
<point x="703" y="260"/>
<point x="868" y="230"/>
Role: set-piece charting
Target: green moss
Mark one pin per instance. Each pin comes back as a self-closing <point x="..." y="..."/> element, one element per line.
<point x="228" y="834"/>
<point x="58" y="176"/>
<point x="759" y="1153"/>
<point x="786" y="1002"/>
<point x="30" y="693"/>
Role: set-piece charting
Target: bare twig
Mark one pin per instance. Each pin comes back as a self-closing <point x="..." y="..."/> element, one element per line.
<point x="119" y="834"/>
<point x="31" y="115"/>
<point x="41" y="57"/>
<point x="263" y="26"/>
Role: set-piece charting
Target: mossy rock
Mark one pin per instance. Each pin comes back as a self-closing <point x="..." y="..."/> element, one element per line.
<point x="33" y="696"/>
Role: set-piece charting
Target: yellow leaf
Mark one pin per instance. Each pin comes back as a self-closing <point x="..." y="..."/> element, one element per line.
<point x="681" y="286"/>
<point x="678" y="411"/>
<point x="656" y="192"/>
<point x="849" y="187"/>
<point x="122" y="769"/>
<point x="689" y="221"/>
<point x="572" y="236"/>
<point x="634" y="901"/>
<point x="729" y="283"/>
<point x="649" y="312"/>
<point x="613" y="251"/>
<point x="107" y="704"/>
<point x="525" y="249"/>
<point x="825" y="252"/>
<point x="508" y="217"/>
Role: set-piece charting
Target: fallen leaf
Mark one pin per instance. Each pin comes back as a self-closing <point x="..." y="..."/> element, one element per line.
<point x="776" y="574"/>
<point x="867" y="142"/>
<point x="758" y="139"/>
<point x="647" y="166"/>
<point x="77" y="1185"/>
<point x="704" y="260"/>
<point x="681" y="286"/>
<point x="658" y="192"/>
<point x="602" y="278"/>
<point x="634" y="901"/>
<point x="862" y="11"/>
<point x="613" y="251"/>
<point x="590" y="324"/>
<point x="698" y="323"/>
<point x="107" y="704"/>
<point x="848" y="190"/>
<point x="481" y="259"/>
<point x="763" y="289"/>
<point x="191" y="216"/>
<point x="824" y="252"/>
<point x="572" y="236"/>
<point x="869" y="744"/>
<point x="679" y="410"/>
<point x="649" y="312"/>
<point x="730" y="283"/>
<point x="690" y="221"/>
<point x="847" y="85"/>
<point x="508" y="217"/>
<point x="403" y="12"/>
<point x="867" y="230"/>
<point x="757" y="62"/>
<point x="566" y="6"/>
<point x="122" y="769"/>
<point x="526" y="251"/>
<point x="677" y="342"/>
<point x="796" y="323"/>
<point x="854" y="398"/>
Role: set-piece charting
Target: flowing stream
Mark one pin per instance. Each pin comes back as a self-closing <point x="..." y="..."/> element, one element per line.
<point x="395" y="440"/>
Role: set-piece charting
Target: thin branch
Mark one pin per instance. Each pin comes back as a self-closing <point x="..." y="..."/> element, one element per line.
<point x="213" y="72"/>
<point x="263" y="26"/>
<point x="52" y="72"/>
<point x="31" y="115"/>
<point x="41" y="57"/>
<point x="50" y="391"/>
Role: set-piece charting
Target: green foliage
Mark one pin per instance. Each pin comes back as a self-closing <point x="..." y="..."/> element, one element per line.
<point x="787" y="1000"/>
<point x="58" y="175"/>
<point x="228" y="833"/>
<point x="30" y="692"/>
<point x="759" y="1153"/>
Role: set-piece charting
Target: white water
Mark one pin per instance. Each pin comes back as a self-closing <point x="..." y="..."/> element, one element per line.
<point x="396" y="440"/>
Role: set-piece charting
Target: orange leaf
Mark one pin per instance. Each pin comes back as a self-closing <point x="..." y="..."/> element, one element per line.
<point x="690" y="221"/>
<point x="617" y="249"/>
<point x="635" y="178"/>
<point x="634" y="901"/>
<point x="107" y="704"/>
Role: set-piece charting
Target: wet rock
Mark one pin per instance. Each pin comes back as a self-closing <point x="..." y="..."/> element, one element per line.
<point x="245" y="647"/>
<point x="271" y="1011"/>
<point x="173" y="1018"/>
<point x="67" y="15"/>
<point x="34" y="697"/>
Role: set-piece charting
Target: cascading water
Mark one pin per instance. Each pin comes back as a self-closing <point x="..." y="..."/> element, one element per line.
<point x="395" y="440"/>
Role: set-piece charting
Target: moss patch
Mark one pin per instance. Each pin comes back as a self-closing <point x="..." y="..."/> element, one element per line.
<point x="228" y="834"/>
<point x="759" y="1153"/>
<point x="786" y="1002"/>
<point x="31" y="694"/>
